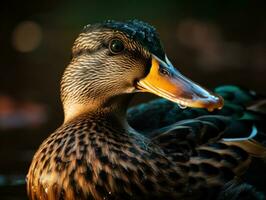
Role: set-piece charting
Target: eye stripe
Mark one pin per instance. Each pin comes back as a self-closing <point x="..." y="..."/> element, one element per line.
<point x="82" y="51"/>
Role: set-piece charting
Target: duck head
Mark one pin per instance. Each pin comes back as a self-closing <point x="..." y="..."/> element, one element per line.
<point x="114" y="59"/>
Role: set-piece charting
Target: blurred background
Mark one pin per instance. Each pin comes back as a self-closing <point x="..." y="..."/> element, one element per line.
<point x="212" y="42"/>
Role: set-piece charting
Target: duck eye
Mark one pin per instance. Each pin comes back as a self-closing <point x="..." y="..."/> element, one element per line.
<point x="116" y="46"/>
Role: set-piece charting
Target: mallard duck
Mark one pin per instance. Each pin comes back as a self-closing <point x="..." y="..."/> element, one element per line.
<point x="98" y="154"/>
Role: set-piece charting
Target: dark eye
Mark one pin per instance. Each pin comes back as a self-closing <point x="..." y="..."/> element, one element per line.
<point x="116" y="46"/>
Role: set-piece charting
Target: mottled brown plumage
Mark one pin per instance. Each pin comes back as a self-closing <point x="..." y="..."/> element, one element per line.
<point x="95" y="154"/>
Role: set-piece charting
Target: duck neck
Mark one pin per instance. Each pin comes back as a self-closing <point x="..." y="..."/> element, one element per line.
<point x="116" y="107"/>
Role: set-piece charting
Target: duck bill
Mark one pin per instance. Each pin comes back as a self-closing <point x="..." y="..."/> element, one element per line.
<point x="165" y="81"/>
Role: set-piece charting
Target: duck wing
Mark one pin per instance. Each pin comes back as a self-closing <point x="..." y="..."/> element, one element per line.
<point x="244" y="107"/>
<point x="215" y="147"/>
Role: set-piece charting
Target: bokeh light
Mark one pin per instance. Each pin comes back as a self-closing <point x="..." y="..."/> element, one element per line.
<point x="27" y="36"/>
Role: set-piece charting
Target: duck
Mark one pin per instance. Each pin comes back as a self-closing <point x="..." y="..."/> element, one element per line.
<point x="156" y="150"/>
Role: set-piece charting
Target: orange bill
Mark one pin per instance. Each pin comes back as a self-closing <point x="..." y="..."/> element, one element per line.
<point x="165" y="81"/>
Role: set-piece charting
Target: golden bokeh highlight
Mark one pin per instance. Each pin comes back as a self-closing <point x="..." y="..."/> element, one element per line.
<point x="27" y="36"/>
